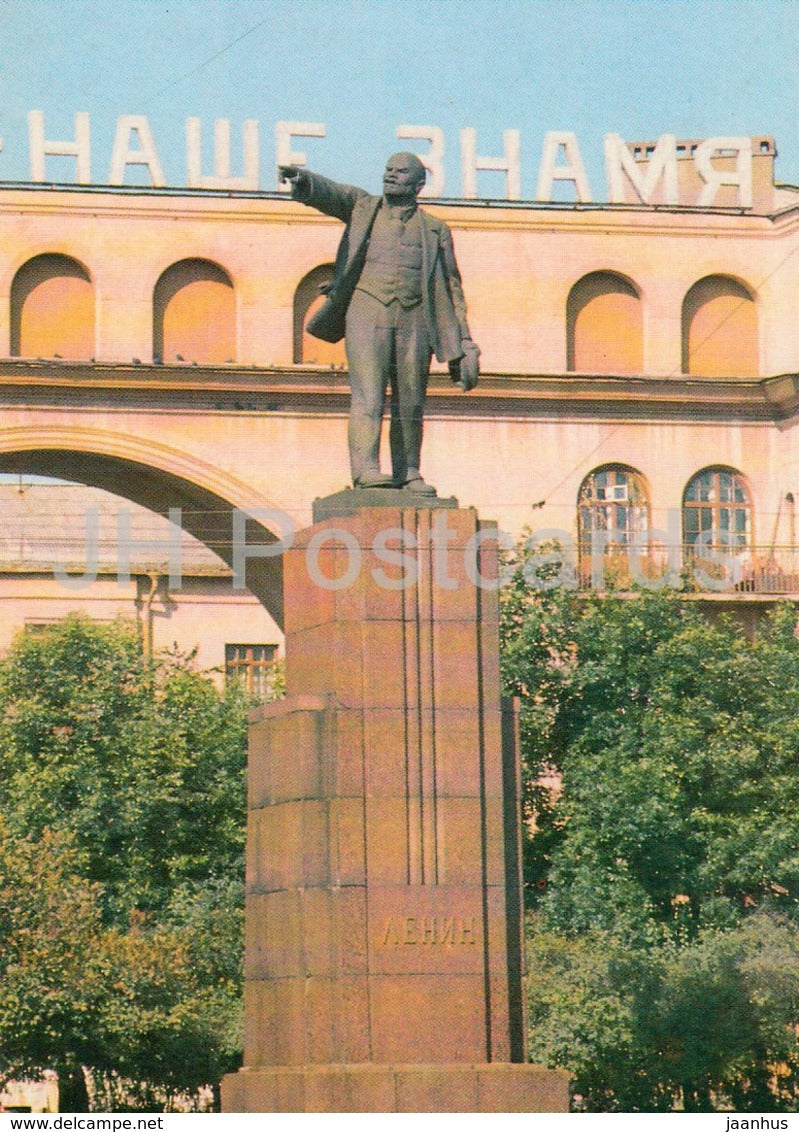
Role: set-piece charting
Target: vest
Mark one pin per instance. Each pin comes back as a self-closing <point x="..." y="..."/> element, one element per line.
<point x="393" y="266"/>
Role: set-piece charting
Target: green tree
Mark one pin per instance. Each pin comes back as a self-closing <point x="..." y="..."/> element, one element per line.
<point x="134" y="771"/>
<point x="702" y="1023"/>
<point x="142" y="761"/>
<point x="660" y="755"/>
<point x="50" y="925"/>
<point x="162" y="1029"/>
<point x="130" y="1006"/>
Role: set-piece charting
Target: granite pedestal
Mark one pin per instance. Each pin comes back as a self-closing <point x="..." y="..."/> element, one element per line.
<point x="384" y="954"/>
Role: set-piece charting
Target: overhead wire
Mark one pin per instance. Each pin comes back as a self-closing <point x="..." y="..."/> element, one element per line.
<point x="211" y="58"/>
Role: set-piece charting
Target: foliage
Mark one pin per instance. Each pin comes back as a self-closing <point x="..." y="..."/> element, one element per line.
<point x="142" y="761"/>
<point x="703" y="1024"/>
<point x="49" y="926"/>
<point x="121" y="867"/>
<point x="661" y="752"/>
<point x="73" y="993"/>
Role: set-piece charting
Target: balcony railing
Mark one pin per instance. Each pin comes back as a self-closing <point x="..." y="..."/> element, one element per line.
<point x="763" y="570"/>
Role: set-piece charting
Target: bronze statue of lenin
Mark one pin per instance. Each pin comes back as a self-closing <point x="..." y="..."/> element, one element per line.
<point x="396" y="298"/>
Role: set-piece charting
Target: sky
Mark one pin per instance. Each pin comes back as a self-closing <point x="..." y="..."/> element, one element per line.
<point x="639" y="68"/>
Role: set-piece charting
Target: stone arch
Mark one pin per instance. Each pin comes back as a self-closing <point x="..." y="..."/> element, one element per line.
<point x="52" y="309"/>
<point x="158" y="477"/>
<point x="307" y="299"/>
<point x="720" y="329"/>
<point x="604" y="325"/>
<point x="194" y="314"/>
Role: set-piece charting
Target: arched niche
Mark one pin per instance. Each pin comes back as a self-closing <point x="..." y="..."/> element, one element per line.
<point x="194" y="314"/>
<point x="52" y="309"/>
<point x="604" y="325"/>
<point x="720" y="329"/>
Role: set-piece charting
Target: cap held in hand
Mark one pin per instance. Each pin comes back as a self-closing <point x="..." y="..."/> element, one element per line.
<point x="465" y="371"/>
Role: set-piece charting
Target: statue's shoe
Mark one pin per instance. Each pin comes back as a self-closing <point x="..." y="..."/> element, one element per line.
<point x="375" y="480"/>
<point x="416" y="486"/>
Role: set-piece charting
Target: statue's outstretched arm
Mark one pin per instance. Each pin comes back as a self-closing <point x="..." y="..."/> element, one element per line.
<point x="330" y="197"/>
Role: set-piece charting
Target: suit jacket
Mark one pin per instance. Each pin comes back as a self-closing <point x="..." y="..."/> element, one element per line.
<point x="442" y="294"/>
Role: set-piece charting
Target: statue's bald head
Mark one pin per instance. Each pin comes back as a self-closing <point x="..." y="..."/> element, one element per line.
<point x="404" y="176"/>
<point x="411" y="161"/>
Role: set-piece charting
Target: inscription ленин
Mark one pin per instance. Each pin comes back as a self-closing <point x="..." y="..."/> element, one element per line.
<point x="430" y="931"/>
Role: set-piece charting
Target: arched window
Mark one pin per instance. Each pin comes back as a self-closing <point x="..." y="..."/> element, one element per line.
<point x="614" y="500"/>
<point x="194" y="314"/>
<point x="717" y="511"/>
<point x="604" y="325"/>
<point x="307" y="299"/>
<point x="52" y="309"/>
<point x="612" y="507"/>
<point x="719" y="329"/>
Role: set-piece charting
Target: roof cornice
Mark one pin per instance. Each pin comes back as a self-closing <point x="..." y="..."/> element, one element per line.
<point x="230" y="388"/>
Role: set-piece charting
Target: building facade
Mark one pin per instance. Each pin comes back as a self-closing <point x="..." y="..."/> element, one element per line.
<point x="638" y="403"/>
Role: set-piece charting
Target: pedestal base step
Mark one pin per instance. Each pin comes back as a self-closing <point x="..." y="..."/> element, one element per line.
<point x="354" y="499"/>
<point x="492" y="1087"/>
